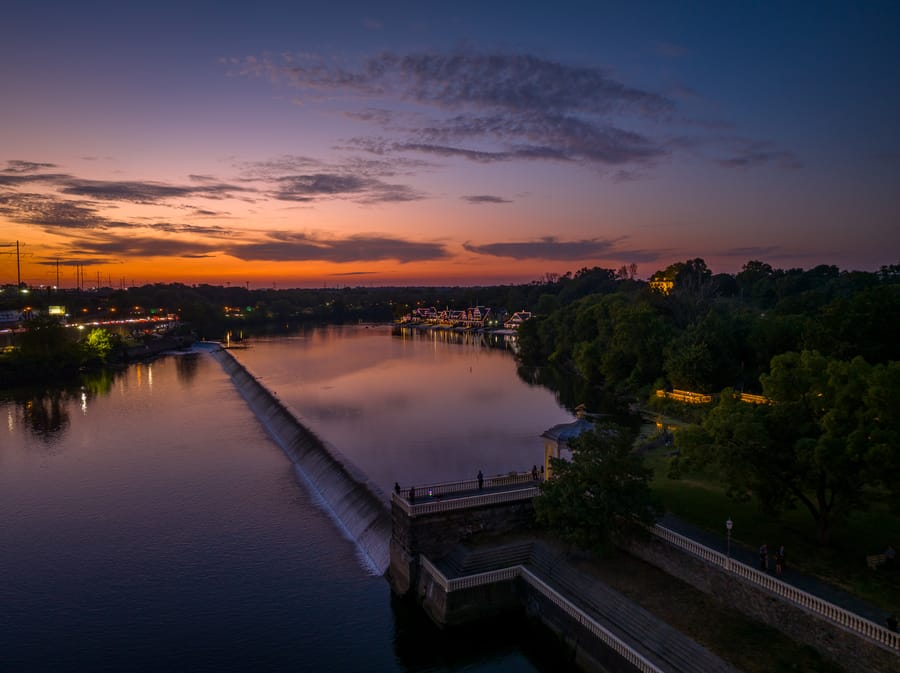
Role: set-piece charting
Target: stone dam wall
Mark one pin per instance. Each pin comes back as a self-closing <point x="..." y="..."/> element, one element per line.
<point x="358" y="504"/>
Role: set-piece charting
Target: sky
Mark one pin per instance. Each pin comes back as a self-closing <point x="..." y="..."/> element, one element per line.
<point x="334" y="144"/>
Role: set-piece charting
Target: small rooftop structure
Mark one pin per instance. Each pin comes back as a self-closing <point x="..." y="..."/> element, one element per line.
<point x="557" y="438"/>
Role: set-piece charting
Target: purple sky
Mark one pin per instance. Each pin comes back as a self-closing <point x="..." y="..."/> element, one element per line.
<point x="428" y="143"/>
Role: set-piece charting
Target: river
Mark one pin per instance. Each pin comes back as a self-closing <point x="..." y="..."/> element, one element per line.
<point x="147" y="522"/>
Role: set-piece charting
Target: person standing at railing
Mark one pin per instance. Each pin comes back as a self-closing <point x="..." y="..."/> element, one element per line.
<point x="534" y="472"/>
<point x="764" y="557"/>
<point x="480" y="480"/>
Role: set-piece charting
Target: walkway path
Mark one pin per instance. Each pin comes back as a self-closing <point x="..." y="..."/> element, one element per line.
<point x="810" y="584"/>
<point x="807" y="583"/>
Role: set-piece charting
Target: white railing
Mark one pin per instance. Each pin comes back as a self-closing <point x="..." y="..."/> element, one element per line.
<point x="820" y="606"/>
<point x="622" y="648"/>
<point x="434" y="505"/>
<point x="596" y="629"/>
<point x="449" y="487"/>
<point x="469" y="581"/>
<point x="849" y="620"/>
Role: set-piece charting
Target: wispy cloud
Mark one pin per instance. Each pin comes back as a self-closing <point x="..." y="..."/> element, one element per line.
<point x="19" y="166"/>
<point x="48" y="211"/>
<point x="484" y="198"/>
<point x="146" y="192"/>
<point x="496" y="106"/>
<point x="304" y="179"/>
<point x="116" y="245"/>
<point x="751" y="154"/>
<point x="59" y="215"/>
<point x="504" y="106"/>
<point x="299" y="247"/>
<point x="312" y="186"/>
<point x="549" y="247"/>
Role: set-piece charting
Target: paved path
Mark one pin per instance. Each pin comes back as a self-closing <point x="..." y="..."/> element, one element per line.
<point x="809" y="584"/>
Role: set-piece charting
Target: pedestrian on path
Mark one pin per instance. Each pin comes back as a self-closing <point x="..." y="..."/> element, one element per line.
<point x="764" y="557"/>
<point x="480" y="480"/>
<point x="779" y="560"/>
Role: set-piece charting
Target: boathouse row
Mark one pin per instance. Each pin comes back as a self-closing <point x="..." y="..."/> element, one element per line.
<point x="433" y="558"/>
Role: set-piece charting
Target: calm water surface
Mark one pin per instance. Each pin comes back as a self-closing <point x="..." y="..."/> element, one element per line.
<point x="414" y="407"/>
<point x="147" y="523"/>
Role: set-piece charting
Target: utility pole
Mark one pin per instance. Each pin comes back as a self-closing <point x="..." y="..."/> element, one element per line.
<point x="57" y="274"/>
<point x="18" y="270"/>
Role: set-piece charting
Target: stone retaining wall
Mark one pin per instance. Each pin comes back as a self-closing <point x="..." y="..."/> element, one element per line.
<point x="847" y="649"/>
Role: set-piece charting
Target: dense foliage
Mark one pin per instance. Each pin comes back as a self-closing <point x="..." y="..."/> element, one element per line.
<point x="821" y="345"/>
<point x="49" y="350"/>
<point x="710" y="331"/>
<point x="602" y="492"/>
<point x="827" y="441"/>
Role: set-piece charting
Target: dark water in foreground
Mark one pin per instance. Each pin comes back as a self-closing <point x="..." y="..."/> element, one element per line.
<point x="147" y="523"/>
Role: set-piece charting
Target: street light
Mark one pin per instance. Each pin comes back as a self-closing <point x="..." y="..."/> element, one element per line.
<point x="729" y="524"/>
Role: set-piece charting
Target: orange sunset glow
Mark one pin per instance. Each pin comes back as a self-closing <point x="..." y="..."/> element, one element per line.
<point x="448" y="146"/>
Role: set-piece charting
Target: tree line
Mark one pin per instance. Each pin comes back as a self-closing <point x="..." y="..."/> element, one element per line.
<point x="821" y="345"/>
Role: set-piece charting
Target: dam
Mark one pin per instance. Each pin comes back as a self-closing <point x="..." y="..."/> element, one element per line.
<point x="423" y="557"/>
<point x="358" y="505"/>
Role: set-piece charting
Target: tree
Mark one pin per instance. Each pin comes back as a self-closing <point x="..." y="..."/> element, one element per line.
<point x="99" y="343"/>
<point x="46" y="339"/>
<point x="603" y="491"/>
<point x="823" y="442"/>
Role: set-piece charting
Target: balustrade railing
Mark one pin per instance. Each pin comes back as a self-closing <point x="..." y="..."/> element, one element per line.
<point x="451" y="487"/>
<point x="835" y="613"/>
<point x="845" y="618"/>
<point x="622" y="648"/>
<point x="434" y="504"/>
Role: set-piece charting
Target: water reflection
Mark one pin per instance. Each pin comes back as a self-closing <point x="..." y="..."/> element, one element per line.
<point x="572" y="390"/>
<point x="167" y="532"/>
<point x="508" y="342"/>
<point x="46" y="412"/>
<point x="96" y="383"/>
<point x="187" y="366"/>
<point x="414" y="406"/>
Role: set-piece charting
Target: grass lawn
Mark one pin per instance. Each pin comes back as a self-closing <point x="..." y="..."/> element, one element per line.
<point x="699" y="500"/>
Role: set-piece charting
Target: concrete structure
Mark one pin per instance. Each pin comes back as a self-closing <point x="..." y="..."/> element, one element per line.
<point x="557" y="438"/>
<point x="440" y="516"/>
<point x="425" y="561"/>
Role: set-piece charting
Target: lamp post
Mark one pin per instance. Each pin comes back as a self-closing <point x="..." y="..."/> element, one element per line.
<point x="729" y="524"/>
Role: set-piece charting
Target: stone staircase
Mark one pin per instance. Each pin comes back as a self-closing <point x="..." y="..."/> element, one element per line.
<point x="657" y="641"/>
<point x="463" y="560"/>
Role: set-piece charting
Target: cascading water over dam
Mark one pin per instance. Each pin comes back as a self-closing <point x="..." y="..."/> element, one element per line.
<point x="355" y="501"/>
